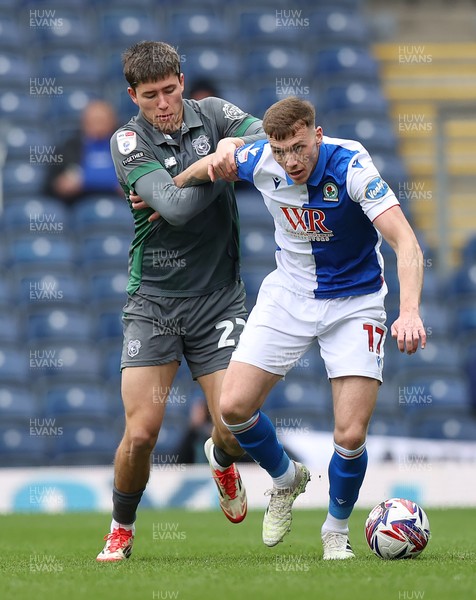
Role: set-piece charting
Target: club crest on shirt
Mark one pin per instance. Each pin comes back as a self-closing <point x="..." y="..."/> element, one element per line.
<point x="201" y="145"/>
<point x="133" y="348"/>
<point x="232" y="112"/>
<point x="126" y="141"/>
<point x="330" y="192"/>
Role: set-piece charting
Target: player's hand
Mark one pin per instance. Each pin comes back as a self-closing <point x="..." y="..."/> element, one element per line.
<point x="408" y="330"/>
<point x="139" y="204"/>
<point x="222" y="165"/>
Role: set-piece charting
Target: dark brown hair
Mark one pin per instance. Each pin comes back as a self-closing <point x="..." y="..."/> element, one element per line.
<point x="285" y="117"/>
<point x="147" y="62"/>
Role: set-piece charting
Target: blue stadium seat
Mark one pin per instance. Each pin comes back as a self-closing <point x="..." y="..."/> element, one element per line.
<point x="253" y="211"/>
<point x="354" y="100"/>
<point x="464" y="315"/>
<point x="345" y="64"/>
<point x="42" y="250"/>
<point x="21" y="178"/>
<point x="236" y="94"/>
<point x="70" y="67"/>
<point x="74" y="29"/>
<point x="198" y="26"/>
<point x="109" y="325"/>
<point x="300" y="398"/>
<point x="85" y="444"/>
<point x="107" y="214"/>
<point x="272" y="25"/>
<point x="25" y="141"/>
<point x="66" y="108"/>
<point x="76" y="400"/>
<point x="59" y="323"/>
<point x="22" y="107"/>
<point x="108" y="286"/>
<point x="18" y="403"/>
<point x="124" y="27"/>
<point x="14" y="363"/>
<point x="15" y="69"/>
<point x="440" y="353"/>
<point x="468" y="251"/>
<point x="446" y="427"/>
<point x="11" y="325"/>
<point x="65" y="360"/>
<point x="35" y="215"/>
<point x="20" y="449"/>
<point x="55" y="287"/>
<point x="286" y="68"/>
<point x="216" y="64"/>
<point x="252" y="278"/>
<point x="170" y="439"/>
<point x="464" y="280"/>
<point x="333" y="26"/>
<point x="100" y="249"/>
<point x="7" y="292"/>
<point x="388" y="427"/>
<point x="111" y="361"/>
<point x="374" y="134"/>
<point x="430" y="391"/>
<point x="258" y="245"/>
<point x="12" y="35"/>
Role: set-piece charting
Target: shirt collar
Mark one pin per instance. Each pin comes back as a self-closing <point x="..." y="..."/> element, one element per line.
<point x="190" y="119"/>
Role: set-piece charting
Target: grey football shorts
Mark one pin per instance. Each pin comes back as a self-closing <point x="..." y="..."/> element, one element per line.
<point x="203" y="329"/>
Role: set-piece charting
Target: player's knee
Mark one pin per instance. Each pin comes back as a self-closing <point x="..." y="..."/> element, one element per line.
<point x="351" y="437"/>
<point x="141" y="439"/>
<point x="233" y="411"/>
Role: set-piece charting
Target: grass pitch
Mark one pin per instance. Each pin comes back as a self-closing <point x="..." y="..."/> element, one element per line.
<point x="199" y="555"/>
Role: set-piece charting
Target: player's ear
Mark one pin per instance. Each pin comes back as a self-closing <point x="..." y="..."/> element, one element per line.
<point x="182" y="81"/>
<point x="319" y="134"/>
<point x="132" y="94"/>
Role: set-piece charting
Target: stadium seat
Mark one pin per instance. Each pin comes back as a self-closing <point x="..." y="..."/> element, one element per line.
<point x="252" y="278"/>
<point x="464" y="280"/>
<point x="454" y="427"/>
<point x="18" y="404"/>
<point x="253" y="211"/>
<point x="14" y="363"/>
<point x="103" y="250"/>
<point x="198" y="27"/>
<point x="21" y="107"/>
<point x="76" y="30"/>
<point x="468" y="252"/>
<point x="108" y="286"/>
<point x="59" y="323"/>
<point x="431" y="391"/>
<point x="332" y="26"/>
<point x="213" y="63"/>
<point x="35" y="215"/>
<point x="258" y="244"/>
<point x="70" y="67"/>
<point x="55" y="287"/>
<point x="464" y="316"/>
<point x="65" y="109"/>
<point x="106" y="214"/>
<point x="15" y="69"/>
<point x="30" y="143"/>
<point x="109" y="325"/>
<point x="111" y="361"/>
<point x="43" y="251"/>
<point x="124" y="27"/>
<point x="170" y="438"/>
<point x="20" y="449"/>
<point x="7" y="292"/>
<point x="11" y="325"/>
<point x="354" y="100"/>
<point x="272" y="25"/>
<point x="85" y="444"/>
<point x="376" y="135"/>
<point x="12" y="35"/>
<point x="286" y="68"/>
<point x="346" y="64"/>
<point x="69" y="401"/>
<point x="21" y="178"/>
<point x="65" y="360"/>
<point x="388" y="427"/>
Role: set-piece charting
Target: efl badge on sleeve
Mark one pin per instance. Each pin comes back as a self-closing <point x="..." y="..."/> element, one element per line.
<point x="126" y="141"/>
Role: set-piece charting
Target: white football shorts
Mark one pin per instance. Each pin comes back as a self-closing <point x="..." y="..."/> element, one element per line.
<point x="282" y="326"/>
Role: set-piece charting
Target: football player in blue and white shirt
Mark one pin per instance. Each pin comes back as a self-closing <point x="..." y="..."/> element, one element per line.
<point x="331" y="209"/>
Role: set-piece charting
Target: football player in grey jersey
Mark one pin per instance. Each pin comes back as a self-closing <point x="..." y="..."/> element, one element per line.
<point x="185" y="295"/>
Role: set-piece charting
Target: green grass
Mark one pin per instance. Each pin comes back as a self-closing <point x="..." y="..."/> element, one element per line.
<point x="201" y="556"/>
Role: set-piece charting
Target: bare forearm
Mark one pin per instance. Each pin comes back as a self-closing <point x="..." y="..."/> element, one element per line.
<point x="410" y="274"/>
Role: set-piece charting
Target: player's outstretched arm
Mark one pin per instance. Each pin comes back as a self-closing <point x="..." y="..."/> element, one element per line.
<point x="408" y="328"/>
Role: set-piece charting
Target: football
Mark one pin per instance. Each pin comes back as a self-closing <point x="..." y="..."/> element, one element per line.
<point x="397" y="528"/>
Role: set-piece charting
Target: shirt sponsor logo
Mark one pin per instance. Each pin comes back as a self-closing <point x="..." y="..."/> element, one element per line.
<point x="232" y="112"/>
<point x="330" y="192"/>
<point x="377" y="188"/>
<point x="132" y="157"/>
<point x="201" y="145"/>
<point x="307" y="223"/>
<point x="126" y="141"/>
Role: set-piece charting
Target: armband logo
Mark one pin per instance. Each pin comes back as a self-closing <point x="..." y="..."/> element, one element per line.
<point x="377" y="188"/>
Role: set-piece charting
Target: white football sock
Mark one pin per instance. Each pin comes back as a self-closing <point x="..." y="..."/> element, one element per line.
<point x="333" y="524"/>
<point x="116" y="525"/>
<point x="287" y="478"/>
